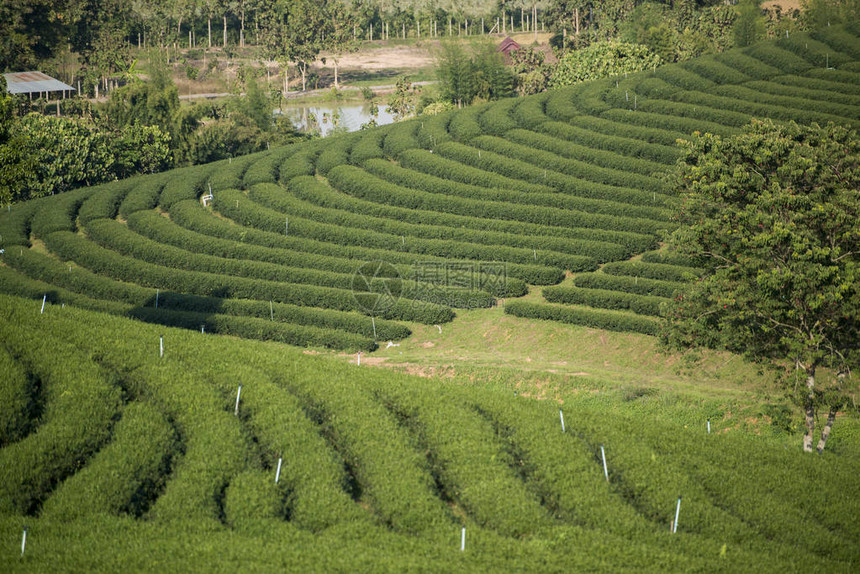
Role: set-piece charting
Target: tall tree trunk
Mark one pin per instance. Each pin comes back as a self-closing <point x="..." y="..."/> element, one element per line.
<point x="336" y="84"/>
<point x="576" y="21"/>
<point x="825" y="433"/>
<point x="242" y="29"/>
<point x="809" y="409"/>
<point x="225" y="30"/>
<point x="209" y="24"/>
<point x="304" y="68"/>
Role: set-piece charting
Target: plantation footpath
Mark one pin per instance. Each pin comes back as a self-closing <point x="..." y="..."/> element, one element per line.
<point x="345" y="242"/>
<point x="128" y="446"/>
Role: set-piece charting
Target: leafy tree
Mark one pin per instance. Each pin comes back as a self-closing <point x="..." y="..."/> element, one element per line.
<point x="749" y="26"/>
<point x="402" y="101"/>
<point x="465" y="76"/>
<point x="601" y="60"/>
<point x="774" y="217"/>
<point x="531" y="75"/>
<point x="141" y="149"/>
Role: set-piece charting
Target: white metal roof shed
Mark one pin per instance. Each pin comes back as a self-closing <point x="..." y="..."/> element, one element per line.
<point x="33" y="83"/>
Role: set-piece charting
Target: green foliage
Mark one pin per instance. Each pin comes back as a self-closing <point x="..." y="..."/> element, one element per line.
<point x="470" y="76"/>
<point x="602" y="60"/>
<point x="781" y="240"/>
<point x="749" y="26"/>
<point x="605" y="299"/>
<point x="402" y="102"/>
<point x="598" y="319"/>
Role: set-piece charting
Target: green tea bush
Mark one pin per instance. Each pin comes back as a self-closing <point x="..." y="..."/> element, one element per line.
<point x="614" y="176"/>
<point x="670" y="258"/>
<point x="424" y="215"/>
<point x="105" y="200"/>
<point x="312" y="473"/>
<point x="185" y="183"/>
<point x="604" y="299"/>
<point x="496" y="119"/>
<point x="795" y="91"/>
<point x="421" y="182"/>
<point x="711" y="68"/>
<point x="839" y="40"/>
<point x="392" y="475"/>
<point x="432" y="163"/>
<point x="659" y="115"/>
<point x="18" y="391"/>
<point x="660" y="271"/>
<point x="596" y="191"/>
<point x="434" y="129"/>
<point x="468" y="460"/>
<point x="252" y="499"/>
<point x="192" y="216"/>
<point x="529" y="112"/>
<point x="605" y="135"/>
<point x="817" y="84"/>
<point x="282" y="322"/>
<point x="751" y="67"/>
<point x="256" y="215"/>
<point x="678" y="75"/>
<point x="228" y="173"/>
<point x="746" y="101"/>
<point x="637" y="285"/>
<point x="80" y="402"/>
<point x="302" y="163"/>
<point x="680" y="113"/>
<point x="59" y="214"/>
<point x="369" y="145"/>
<point x="336" y="153"/>
<point x="265" y="169"/>
<point x="591" y="155"/>
<point x="125" y="475"/>
<point x="783" y="60"/>
<point x="111" y="264"/>
<point x="595" y="318"/>
<point x="846" y="81"/>
<point x="401" y="137"/>
<point x="15" y="222"/>
<point x="464" y="124"/>
<point x="817" y="53"/>
<point x="144" y="194"/>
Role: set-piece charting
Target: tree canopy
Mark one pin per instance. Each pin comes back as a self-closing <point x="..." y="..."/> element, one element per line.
<point x="774" y="217"/>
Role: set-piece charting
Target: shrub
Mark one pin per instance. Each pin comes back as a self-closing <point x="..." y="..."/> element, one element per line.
<point x="17" y="389"/>
<point x="60" y="213"/>
<point x="606" y="135"/>
<point x="626" y="284"/>
<point x="105" y="200"/>
<point x="661" y="271"/>
<point x="144" y="194"/>
<point x="124" y="476"/>
<point x="604" y="299"/>
<point x="598" y="319"/>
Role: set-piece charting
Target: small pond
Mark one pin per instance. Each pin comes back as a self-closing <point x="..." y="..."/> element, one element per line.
<point x="327" y="117"/>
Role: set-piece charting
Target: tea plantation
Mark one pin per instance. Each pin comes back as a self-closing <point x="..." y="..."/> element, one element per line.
<point x="126" y="442"/>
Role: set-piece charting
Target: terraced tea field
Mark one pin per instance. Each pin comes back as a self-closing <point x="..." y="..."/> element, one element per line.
<point x="127" y="444"/>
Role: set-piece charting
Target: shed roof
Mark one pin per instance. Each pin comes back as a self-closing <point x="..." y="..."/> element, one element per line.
<point x="508" y="45"/>
<point x="33" y="82"/>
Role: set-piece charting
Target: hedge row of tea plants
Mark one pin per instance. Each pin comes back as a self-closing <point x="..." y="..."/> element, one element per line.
<point x="190" y="215"/>
<point x="605" y="299"/>
<point x="595" y="318"/>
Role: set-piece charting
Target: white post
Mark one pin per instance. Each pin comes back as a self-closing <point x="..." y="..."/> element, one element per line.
<point x="161" y="346"/>
<point x="157" y="293"/>
<point x="359" y="358"/>
<point x="709" y="425"/>
<point x="463" y="540"/>
<point x="23" y="542"/>
<point x="278" y="473"/>
<point x="238" y="394"/>
<point x="561" y="416"/>
<point x="272" y="310"/>
<point x="203" y="329"/>
<point x="677" y="512"/>
<point x="605" y="470"/>
<point x="44" y="298"/>
<point x="373" y="320"/>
